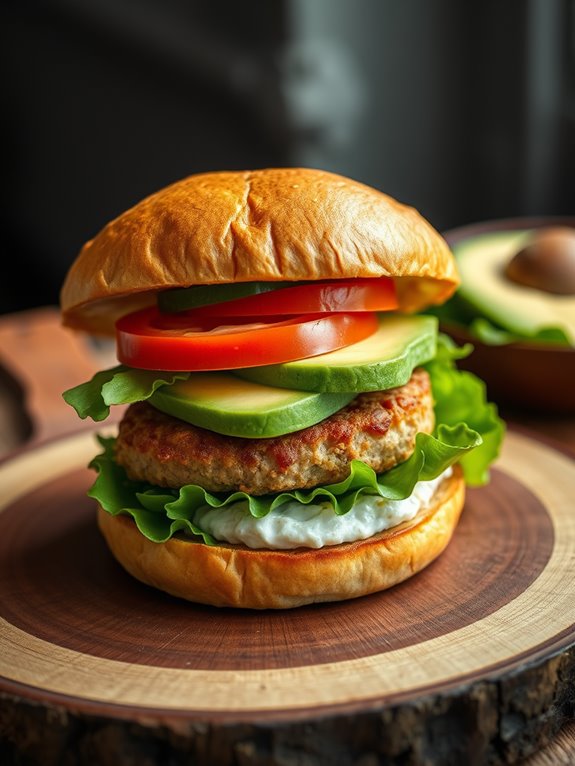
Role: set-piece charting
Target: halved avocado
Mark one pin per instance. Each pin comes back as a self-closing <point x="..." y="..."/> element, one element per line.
<point x="526" y="311"/>
<point x="228" y="405"/>
<point x="384" y="360"/>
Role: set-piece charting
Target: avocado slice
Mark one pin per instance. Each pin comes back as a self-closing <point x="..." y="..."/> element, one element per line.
<point x="184" y="298"/>
<point x="384" y="360"/>
<point x="526" y="311"/>
<point x="223" y="403"/>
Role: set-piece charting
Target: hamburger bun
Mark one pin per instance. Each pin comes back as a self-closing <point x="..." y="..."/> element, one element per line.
<point x="287" y="224"/>
<point x="238" y="576"/>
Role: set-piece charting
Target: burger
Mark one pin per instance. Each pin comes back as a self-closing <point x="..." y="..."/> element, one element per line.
<point x="296" y="429"/>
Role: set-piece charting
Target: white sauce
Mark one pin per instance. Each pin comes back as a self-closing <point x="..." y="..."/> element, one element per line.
<point x="293" y="525"/>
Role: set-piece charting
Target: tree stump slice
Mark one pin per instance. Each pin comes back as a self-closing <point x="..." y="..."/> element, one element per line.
<point x="472" y="661"/>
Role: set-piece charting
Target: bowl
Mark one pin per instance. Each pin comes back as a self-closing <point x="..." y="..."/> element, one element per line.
<point x="523" y="375"/>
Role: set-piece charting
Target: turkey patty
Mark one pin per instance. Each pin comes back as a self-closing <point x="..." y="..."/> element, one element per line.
<point x="378" y="428"/>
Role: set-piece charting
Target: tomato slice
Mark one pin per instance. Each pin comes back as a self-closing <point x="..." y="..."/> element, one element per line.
<point x="150" y="340"/>
<point x="360" y="294"/>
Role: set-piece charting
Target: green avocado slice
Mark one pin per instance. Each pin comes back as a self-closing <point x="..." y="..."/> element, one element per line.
<point x="526" y="311"/>
<point x="384" y="360"/>
<point x="228" y="405"/>
<point x="184" y="298"/>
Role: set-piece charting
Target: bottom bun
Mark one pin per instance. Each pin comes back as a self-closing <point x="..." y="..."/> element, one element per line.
<point x="238" y="576"/>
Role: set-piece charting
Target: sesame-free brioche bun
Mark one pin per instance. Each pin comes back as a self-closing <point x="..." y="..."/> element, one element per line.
<point x="238" y="576"/>
<point x="279" y="224"/>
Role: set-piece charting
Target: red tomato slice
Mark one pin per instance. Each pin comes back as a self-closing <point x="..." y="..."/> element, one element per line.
<point x="316" y="297"/>
<point x="149" y="340"/>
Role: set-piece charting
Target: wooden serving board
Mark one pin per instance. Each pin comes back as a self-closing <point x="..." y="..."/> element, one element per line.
<point x="472" y="661"/>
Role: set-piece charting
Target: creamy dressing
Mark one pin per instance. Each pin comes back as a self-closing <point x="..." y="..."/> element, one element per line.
<point x="293" y="525"/>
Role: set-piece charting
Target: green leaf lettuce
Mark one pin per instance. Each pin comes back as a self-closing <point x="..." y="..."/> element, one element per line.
<point x="458" y="313"/>
<point x="118" y="385"/>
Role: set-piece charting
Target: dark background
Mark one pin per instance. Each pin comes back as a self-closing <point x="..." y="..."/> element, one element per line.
<point x="464" y="110"/>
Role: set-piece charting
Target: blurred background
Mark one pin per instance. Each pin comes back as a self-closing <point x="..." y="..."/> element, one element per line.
<point x="464" y="110"/>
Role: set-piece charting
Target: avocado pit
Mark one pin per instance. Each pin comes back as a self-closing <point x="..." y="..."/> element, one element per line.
<point x="546" y="262"/>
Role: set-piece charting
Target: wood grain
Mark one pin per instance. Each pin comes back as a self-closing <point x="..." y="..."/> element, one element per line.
<point x="39" y="359"/>
<point x="481" y="642"/>
<point x="502" y="545"/>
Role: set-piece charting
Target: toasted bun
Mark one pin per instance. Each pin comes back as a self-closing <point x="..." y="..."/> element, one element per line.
<point x="266" y="225"/>
<point x="237" y="576"/>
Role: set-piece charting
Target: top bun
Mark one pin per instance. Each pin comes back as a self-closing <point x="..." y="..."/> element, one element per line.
<point x="279" y="224"/>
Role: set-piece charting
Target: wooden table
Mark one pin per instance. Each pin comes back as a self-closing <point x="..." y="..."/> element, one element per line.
<point x="39" y="359"/>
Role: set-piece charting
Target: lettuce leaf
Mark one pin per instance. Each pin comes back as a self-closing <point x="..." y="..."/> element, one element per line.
<point x="489" y="333"/>
<point x="460" y="397"/>
<point x="118" y="385"/>
<point x="460" y="314"/>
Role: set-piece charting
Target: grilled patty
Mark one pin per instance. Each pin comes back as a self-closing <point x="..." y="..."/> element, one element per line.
<point x="378" y="428"/>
